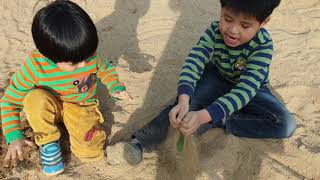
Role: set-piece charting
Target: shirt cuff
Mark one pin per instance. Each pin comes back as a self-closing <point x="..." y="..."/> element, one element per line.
<point x="216" y="112"/>
<point x="185" y="89"/>
<point x="14" y="135"/>
<point x="119" y="87"/>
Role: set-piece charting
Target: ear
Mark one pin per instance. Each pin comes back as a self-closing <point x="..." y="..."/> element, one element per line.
<point x="265" y="22"/>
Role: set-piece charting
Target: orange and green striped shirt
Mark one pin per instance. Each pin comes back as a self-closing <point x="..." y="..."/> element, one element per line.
<point x="40" y="72"/>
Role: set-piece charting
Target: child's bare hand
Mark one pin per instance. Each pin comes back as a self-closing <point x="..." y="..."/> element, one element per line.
<point x="15" y="151"/>
<point x="122" y="95"/>
<point x="178" y="112"/>
<point x="193" y="120"/>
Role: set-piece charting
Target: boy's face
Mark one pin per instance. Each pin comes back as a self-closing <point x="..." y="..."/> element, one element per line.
<point x="68" y="66"/>
<point x="238" y="29"/>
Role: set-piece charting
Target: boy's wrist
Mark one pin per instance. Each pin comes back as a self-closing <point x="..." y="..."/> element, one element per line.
<point x="184" y="98"/>
<point x="216" y="112"/>
<point x="185" y="89"/>
<point x="13" y="136"/>
<point x="205" y="116"/>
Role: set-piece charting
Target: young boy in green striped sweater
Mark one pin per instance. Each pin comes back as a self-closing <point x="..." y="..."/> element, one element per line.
<point x="224" y="81"/>
<point x="58" y="83"/>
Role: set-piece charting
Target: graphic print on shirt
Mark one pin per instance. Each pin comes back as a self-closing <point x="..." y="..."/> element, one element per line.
<point x="240" y="64"/>
<point x="84" y="83"/>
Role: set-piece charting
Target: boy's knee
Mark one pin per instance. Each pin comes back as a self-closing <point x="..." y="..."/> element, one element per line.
<point x="38" y="97"/>
<point x="39" y="104"/>
<point x="88" y="145"/>
<point x="289" y="125"/>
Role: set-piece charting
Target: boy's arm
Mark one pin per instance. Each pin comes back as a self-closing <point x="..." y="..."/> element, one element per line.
<point x="195" y="62"/>
<point x="256" y="72"/>
<point x="109" y="76"/>
<point x="12" y="101"/>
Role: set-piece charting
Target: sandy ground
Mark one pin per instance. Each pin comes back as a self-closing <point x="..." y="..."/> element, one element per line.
<point x="149" y="40"/>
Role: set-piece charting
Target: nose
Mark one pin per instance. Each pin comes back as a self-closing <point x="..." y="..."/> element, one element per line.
<point x="234" y="29"/>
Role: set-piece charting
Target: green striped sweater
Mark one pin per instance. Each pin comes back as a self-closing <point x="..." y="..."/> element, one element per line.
<point x="247" y="66"/>
<point x="40" y="72"/>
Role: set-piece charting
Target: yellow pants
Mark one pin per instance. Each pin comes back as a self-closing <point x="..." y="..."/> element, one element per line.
<point x="44" y="110"/>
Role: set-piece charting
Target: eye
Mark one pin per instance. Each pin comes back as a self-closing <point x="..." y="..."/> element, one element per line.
<point x="245" y="26"/>
<point x="228" y="19"/>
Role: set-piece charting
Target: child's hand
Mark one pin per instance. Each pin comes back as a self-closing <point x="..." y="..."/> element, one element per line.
<point x="178" y="112"/>
<point x="193" y="120"/>
<point x="121" y="95"/>
<point x="15" y="151"/>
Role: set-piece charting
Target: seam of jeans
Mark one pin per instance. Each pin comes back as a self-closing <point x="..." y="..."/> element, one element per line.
<point x="224" y="112"/>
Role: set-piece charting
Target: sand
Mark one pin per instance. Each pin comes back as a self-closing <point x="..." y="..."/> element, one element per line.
<point x="149" y="40"/>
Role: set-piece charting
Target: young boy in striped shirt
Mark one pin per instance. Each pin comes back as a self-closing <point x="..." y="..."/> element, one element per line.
<point x="58" y="83"/>
<point x="224" y="81"/>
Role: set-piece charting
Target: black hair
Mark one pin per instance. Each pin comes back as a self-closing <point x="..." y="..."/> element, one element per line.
<point x="63" y="32"/>
<point x="259" y="9"/>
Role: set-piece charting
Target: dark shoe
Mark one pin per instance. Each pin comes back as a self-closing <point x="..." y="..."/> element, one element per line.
<point x="125" y="152"/>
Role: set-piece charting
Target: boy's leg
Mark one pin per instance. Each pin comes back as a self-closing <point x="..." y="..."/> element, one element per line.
<point x="155" y="131"/>
<point x="208" y="89"/>
<point x="43" y="110"/>
<point x="151" y="134"/>
<point x="87" y="137"/>
<point x="264" y="117"/>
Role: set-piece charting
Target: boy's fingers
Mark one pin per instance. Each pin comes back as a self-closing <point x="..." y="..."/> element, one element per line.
<point x="7" y="159"/>
<point x="130" y="97"/>
<point x="184" y="123"/>
<point x="123" y="96"/>
<point x="183" y="131"/>
<point x="173" y="114"/>
<point x="30" y="143"/>
<point x="190" y="121"/>
<point x="191" y="130"/>
<point x="174" y="124"/>
<point x="187" y="131"/>
<point x="186" y="119"/>
<point x="14" y="158"/>
<point x="127" y="95"/>
<point x="181" y="115"/>
<point x="20" y="154"/>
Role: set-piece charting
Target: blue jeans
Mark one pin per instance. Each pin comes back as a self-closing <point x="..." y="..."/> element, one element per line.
<point x="263" y="117"/>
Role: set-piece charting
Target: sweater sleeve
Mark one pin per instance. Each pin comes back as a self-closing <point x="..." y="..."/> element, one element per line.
<point x="12" y="101"/>
<point x="108" y="75"/>
<point x="251" y="78"/>
<point x="196" y="61"/>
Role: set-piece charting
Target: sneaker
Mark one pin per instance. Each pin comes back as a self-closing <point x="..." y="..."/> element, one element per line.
<point x="125" y="152"/>
<point x="51" y="159"/>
